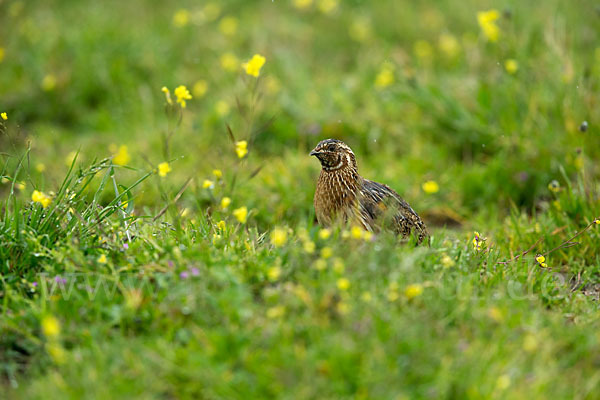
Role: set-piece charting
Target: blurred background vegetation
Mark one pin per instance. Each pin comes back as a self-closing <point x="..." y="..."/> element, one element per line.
<point x="483" y="115"/>
<point x="417" y="89"/>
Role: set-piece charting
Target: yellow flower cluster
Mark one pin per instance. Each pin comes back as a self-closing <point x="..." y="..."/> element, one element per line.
<point x="163" y="169"/>
<point x="478" y="241"/>
<point x="50" y="327"/>
<point x="511" y="66"/>
<point x="241" y="148"/>
<point x="208" y="184"/>
<point x="449" y="45"/>
<point x="41" y="197"/>
<point x="241" y="214"/>
<point x="541" y="260"/>
<point x="225" y="202"/>
<point x="413" y="290"/>
<point x="278" y="237"/>
<point x="487" y="23"/>
<point x="4" y="116"/>
<point x="182" y="94"/>
<point x="121" y="157"/>
<point x="385" y="77"/>
<point x="554" y="186"/>
<point x="253" y="66"/>
<point x="430" y="187"/>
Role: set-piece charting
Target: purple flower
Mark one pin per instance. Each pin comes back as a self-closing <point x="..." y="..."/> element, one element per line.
<point x="195" y="271"/>
<point x="34" y="284"/>
<point x="184" y="275"/>
<point x="170" y="263"/>
<point x="59" y="280"/>
<point x="125" y="246"/>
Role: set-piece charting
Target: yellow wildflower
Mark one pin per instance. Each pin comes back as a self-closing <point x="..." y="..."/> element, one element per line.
<point x="487" y="23"/>
<point x="320" y="264"/>
<point x="324" y="233"/>
<point x="163" y="169"/>
<point x="447" y="261"/>
<point x="41" y="197"/>
<point x="165" y="90"/>
<point x="326" y="252"/>
<point x="225" y="202"/>
<point x="222" y="108"/>
<point x="495" y="314"/>
<point x="360" y="29"/>
<point x="20" y="185"/>
<point x="273" y="273"/>
<point x="217" y="173"/>
<point x="221" y="225"/>
<point x="503" y="382"/>
<point x="228" y="26"/>
<point x="343" y="308"/>
<point x="448" y="44"/>
<point x="241" y="148"/>
<point x="211" y="11"/>
<point x="356" y="232"/>
<point x="253" y="66"/>
<point x="368" y="236"/>
<point x="122" y="157"/>
<point x="182" y="95"/>
<point x="276" y="312"/>
<point x="302" y="4"/>
<point x="478" y="241"/>
<point x="181" y="18"/>
<point x="48" y="83"/>
<point x="309" y="246"/>
<point x="385" y="77"/>
<point x="102" y="259"/>
<point x="343" y="284"/>
<point x="278" y="237"/>
<point x="554" y="186"/>
<point x="4" y="116"/>
<point x="430" y="187"/>
<point x="541" y="260"/>
<point x="414" y="290"/>
<point x="597" y="221"/>
<point x="241" y="214"/>
<point x="511" y="66"/>
<point x="40" y="167"/>
<point x="200" y="87"/>
<point x="423" y="50"/>
<point x="530" y="343"/>
<point x="56" y="351"/>
<point x="327" y="6"/>
<point x="338" y="265"/>
<point x="208" y="184"/>
<point x="229" y="62"/>
<point x="50" y="327"/>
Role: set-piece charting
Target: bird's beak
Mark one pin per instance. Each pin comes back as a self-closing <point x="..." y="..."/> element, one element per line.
<point x="314" y="153"/>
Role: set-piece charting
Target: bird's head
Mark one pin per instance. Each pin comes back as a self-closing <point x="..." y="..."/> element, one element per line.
<point x="334" y="154"/>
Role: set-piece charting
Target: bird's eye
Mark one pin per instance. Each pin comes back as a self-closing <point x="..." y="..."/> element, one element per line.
<point x="331" y="147"/>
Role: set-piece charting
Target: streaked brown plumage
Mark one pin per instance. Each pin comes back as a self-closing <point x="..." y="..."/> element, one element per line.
<point x="342" y="194"/>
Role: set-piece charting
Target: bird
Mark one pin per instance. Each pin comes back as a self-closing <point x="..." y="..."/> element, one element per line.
<point x="343" y="195"/>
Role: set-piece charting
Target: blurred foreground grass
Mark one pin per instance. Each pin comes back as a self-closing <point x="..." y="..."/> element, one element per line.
<point x="156" y="262"/>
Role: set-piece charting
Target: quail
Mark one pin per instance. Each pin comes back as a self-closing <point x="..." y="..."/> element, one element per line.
<point x="343" y="195"/>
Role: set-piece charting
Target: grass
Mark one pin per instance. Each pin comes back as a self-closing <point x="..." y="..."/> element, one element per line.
<point x="132" y="284"/>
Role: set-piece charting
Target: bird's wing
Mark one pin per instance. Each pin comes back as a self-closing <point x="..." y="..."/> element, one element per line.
<point x="380" y="200"/>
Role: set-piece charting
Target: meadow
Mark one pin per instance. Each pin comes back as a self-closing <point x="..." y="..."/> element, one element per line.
<point x="157" y="232"/>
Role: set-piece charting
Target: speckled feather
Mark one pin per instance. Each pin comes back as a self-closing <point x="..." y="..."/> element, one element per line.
<point x="343" y="194"/>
